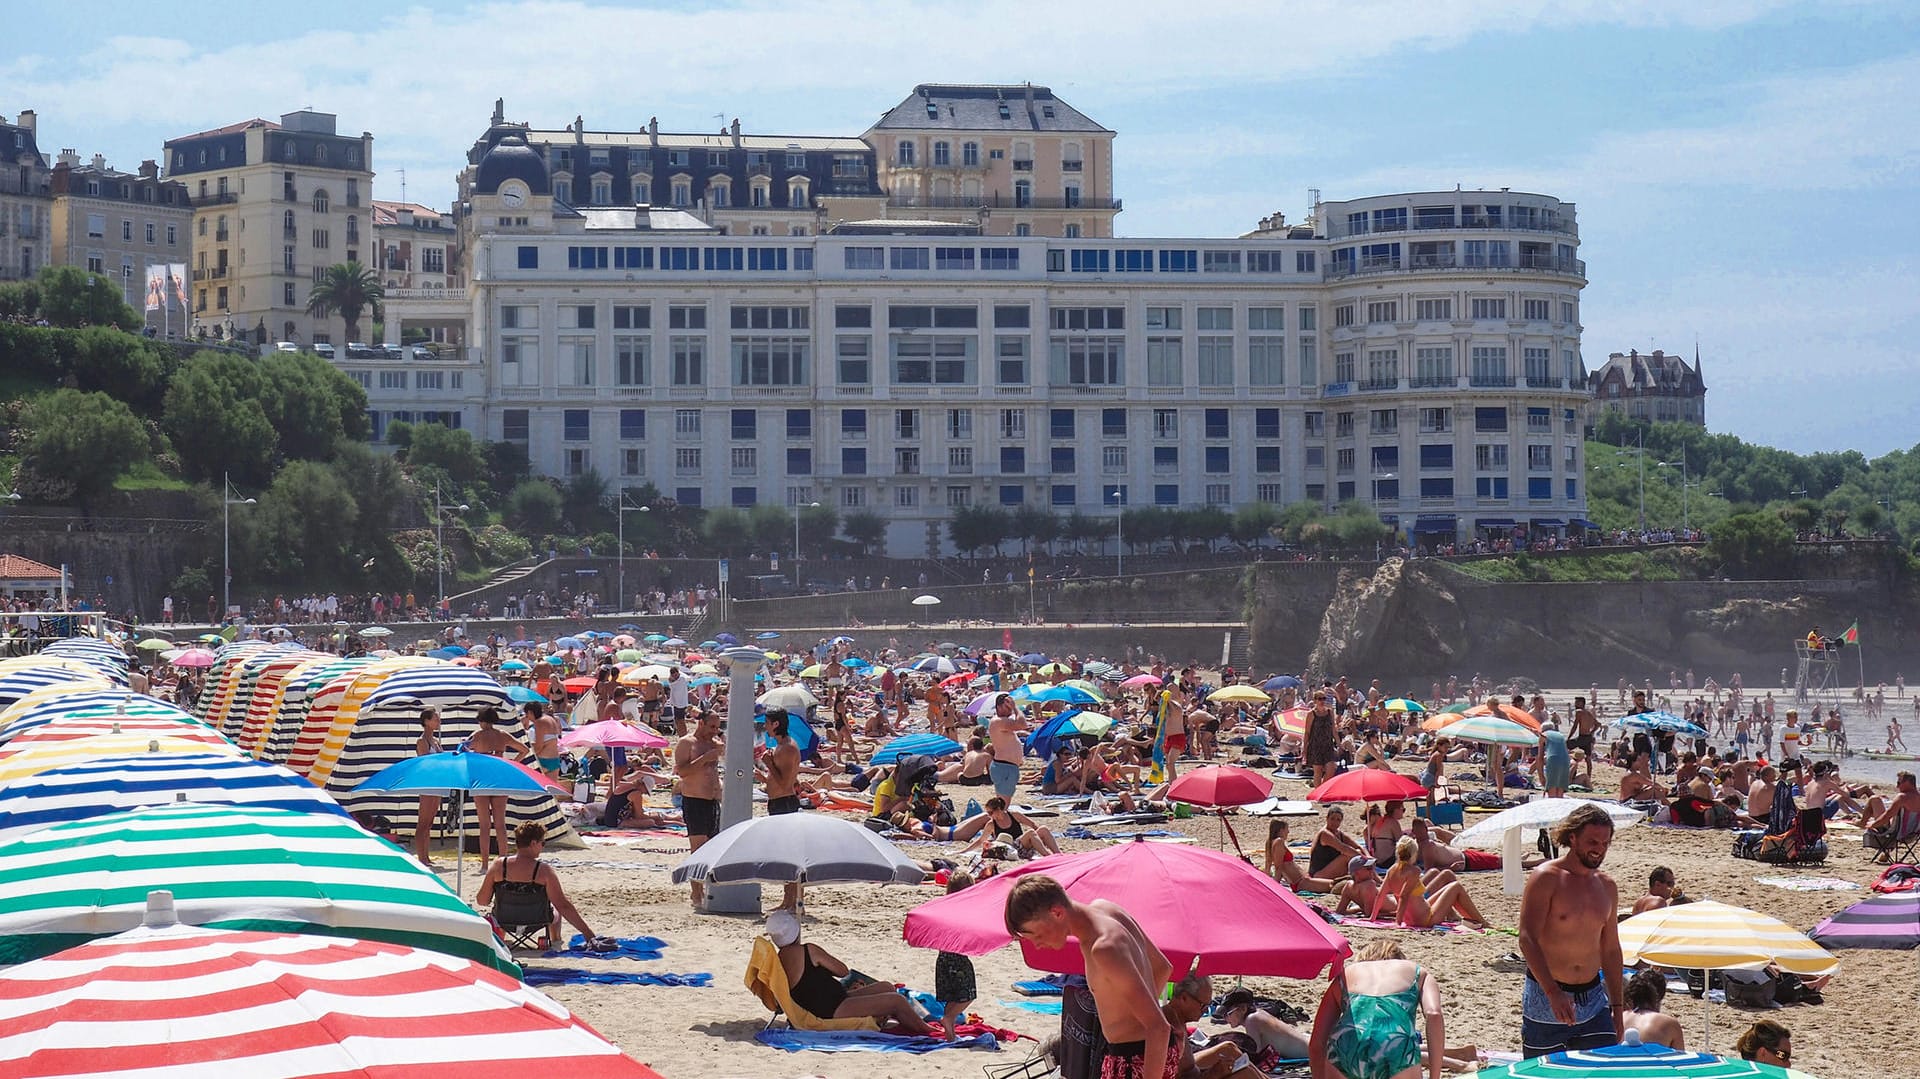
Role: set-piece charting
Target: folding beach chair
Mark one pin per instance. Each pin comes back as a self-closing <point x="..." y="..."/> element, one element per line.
<point x="523" y="914"/>
<point x="767" y="979"/>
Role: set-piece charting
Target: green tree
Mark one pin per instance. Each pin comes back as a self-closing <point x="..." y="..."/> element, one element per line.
<point x="400" y="433"/>
<point x="113" y="361"/>
<point x="533" y="507"/>
<point x="817" y="526"/>
<point x="301" y="399"/>
<point x="728" y="531"/>
<point x="1208" y="525"/>
<point x="348" y="288"/>
<point x="1254" y="521"/>
<point x="85" y="439"/>
<point x="453" y="452"/>
<point x="507" y="465"/>
<point x="1026" y="524"/>
<point x="867" y="531"/>
<point x="1355" y="526"/>
<point x="586" y="502"/>
<point x="771" y="527"/>
<point x="70" y="296"/>
<point x="215" y="415"/>
<point x="1753" y="544"/>
<point x="303" y="526"/>
<point x="975" y="528"/>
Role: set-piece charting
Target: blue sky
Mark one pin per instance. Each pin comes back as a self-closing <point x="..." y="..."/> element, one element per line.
<point x="1746" y="171"/>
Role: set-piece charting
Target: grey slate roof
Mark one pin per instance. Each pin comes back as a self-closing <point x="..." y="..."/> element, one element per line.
<point x="977" y="108"/>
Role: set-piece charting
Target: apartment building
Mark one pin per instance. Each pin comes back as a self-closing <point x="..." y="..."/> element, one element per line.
<point x="1013" y="160"/>
<point x="275" y="204"/>
<point x="26" y="202"/>
<point x="117" y="224"/>
<point x="1418" y="352"/>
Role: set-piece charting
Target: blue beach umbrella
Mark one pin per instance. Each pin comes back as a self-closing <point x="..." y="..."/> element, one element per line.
<point x="446" y="653"/>
<point x="1663" y="723"/>
<point x="523" y="695"/>
<point x="674" y="642"/>
<point x="855" y="663"/>
<point x="520" y="644"/>
<point x="1073" y="723"/>
<point x="456" y="773"/>
<point x="516" y="665"/>
<point x="1280" y="681"/>
<point x="1033" y="659"/>
<point x="709" y="644"/>
<point x="931" y="745"/>
<point x="767" y="635"/>
<point x="570" y="642"/>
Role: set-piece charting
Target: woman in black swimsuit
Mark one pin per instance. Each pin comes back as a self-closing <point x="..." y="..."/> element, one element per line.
<point x="523" y="871"/>
<point x="818" y="983"/>
<point x="1331" y="847"/>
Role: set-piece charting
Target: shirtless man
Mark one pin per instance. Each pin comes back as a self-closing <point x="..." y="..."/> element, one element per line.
<point x="1660" y="891"/>
<point x="1760" y="794"/>
<point x="1176" y="732"/>
<point x="1569" y="934"/>
<point x="696" y="761"/>
<point x="1638" y="784"/>
<point x="1003" y="732"/>
<point x="782" y="777"/>
<point x="1585" y="725"/>
<point x="1125" y="973"/>
<point x="653" y="697"/>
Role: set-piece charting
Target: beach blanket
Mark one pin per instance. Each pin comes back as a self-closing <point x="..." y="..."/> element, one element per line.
<point x="1075" y="831"/>
<point x="1281" y="807"/>
<point x="1150" y="839"/>
<point x="1809" y="884"/>
<point x="867" y="1041"/>
<point x="1118" y="818"/>
<point x="1044" y="1007"/>
<point x="590" y="863"/>
<point x="669" y="832"/>
<point x="1049" y="986"/>
<point x="541" y="976"/>
<point x="642" y="948"/>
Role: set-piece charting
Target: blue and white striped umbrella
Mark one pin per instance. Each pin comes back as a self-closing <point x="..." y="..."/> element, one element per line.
<point x="111" y="784"/>
<point x="88" y="648"/>
<point x="100" y="663"/>
<point x="441" y="684"/>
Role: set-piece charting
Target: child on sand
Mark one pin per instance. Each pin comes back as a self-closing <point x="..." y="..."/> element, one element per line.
<point x="953" y="982"/>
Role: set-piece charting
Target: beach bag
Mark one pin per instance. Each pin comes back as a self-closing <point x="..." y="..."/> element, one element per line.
<point x="1746" y="843"/>
<point x="1750" y="988"/>
<point x="1898" y="877"/>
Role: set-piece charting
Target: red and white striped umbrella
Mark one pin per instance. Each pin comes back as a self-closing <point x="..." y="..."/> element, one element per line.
<point x="184" y="1003"/>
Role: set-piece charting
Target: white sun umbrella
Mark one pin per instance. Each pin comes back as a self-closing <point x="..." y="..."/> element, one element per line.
<point x="1509" y="829"/>
<point x="926" y="601"/>
<point x="798" y="848"/>
<point x="792" y="698"/>
<point x="376" y="631"/>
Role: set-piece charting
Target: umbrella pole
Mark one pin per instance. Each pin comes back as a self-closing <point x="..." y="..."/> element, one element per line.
<point x="460" y="843"/>
<point x="1706" y="1001"/>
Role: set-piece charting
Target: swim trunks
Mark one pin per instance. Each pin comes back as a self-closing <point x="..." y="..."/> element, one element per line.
<point x="1006" y="778"/>
<point x="1541" y="1033"/>
<point x="1128" y="1060"/>
<point x="702" y="816"/>
<point x="778" y="807"/>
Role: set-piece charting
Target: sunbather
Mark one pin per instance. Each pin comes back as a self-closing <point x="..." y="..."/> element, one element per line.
<point x="826" y="987"/>
<point x="1282" y="866"/>
<point x="523" y="871"/>
<point x="1424" y="901"/>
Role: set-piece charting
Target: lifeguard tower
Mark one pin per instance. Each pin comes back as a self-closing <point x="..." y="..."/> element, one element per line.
<point x="1818" y="679"/>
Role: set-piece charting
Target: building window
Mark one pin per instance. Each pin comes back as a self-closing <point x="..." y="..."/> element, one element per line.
<point x="1013" y="423"/>
<point x="1113" y="459"/>
<point x="853" y="461"/>
<point x="576" y="424"/>
<point x="853" y="424"/>
<point x="1493" y="308"/>
<point x="633" y="461"/>
<point x="904" y="152"/>
<point x="686" y="461"/>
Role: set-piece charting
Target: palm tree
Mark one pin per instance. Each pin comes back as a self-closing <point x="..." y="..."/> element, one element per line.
<point x="348" y="288"/>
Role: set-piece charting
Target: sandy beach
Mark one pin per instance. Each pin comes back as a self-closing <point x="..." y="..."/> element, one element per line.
<point x="1865" y="1022"/>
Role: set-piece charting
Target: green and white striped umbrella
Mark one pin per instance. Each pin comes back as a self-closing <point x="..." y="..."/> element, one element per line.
<point x="229" y="867"/>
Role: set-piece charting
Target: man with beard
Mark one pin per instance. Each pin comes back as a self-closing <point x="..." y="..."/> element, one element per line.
<point x="1571" y="941"/>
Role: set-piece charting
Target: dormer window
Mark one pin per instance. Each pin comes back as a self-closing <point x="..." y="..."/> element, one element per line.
<point x="721" y="195"/>
<point x="797" y="195"/>
<point x="1005" y="113"/>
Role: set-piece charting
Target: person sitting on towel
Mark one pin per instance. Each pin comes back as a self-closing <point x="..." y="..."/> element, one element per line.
<point x="1436" y="853"/>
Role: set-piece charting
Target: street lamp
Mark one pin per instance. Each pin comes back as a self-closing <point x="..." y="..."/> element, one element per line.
<point x="1119" y="496"/>
<point x="797" y="509"/>
<point x="1686" y="521"/>
<point x="440" y="543"/>
<point x="620" y="542"/>
<point x="227" y="502"/>
<point x="1640" y="455"/>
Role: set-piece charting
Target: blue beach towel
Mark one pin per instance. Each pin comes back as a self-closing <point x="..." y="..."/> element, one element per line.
<point x="1044" y="1007"/>
<point x="1049" y="986"/>
<point x="866" y="1041"/>
<point x="644" y="948"/>
<point x="539" y="976"/>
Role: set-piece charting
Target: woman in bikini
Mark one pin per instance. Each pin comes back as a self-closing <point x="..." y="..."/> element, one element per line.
<point x="429" y="743"/>
<point x="1424" y="901"/>
<point x="492" y="808"/>
<point x="1282" y="867"/>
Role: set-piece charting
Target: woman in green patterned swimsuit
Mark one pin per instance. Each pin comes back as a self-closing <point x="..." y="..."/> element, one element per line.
<point x="1365" y="1027"/>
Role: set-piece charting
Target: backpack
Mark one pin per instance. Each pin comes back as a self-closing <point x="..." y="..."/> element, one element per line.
<point x="1750" y="988"/>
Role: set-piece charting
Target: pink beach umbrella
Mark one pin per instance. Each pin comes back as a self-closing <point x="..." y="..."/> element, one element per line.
<point x="1254" y="924"/>
<point x="194" y="657"/>
<point x="1139" y="680"/>
<point x="614" y="733"/>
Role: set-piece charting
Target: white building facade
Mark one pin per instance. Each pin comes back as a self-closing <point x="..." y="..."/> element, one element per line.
<point x="1425" y="363"/>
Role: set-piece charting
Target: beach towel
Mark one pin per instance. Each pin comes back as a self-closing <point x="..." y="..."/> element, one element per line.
<point x="590" y="863"/>
<point x="867" y="1041"/>
<point x="1118" y="818"/>
<point x="1044" y="1007"/>
<point x="642" y="948"/>
<point x="1075" y="831"/>
<point x="669" y="832"/>
<point x="1150" y="839"/>
<point x="1375" y="923"/>
<point x="1898" y="877"/>
<point x="1050" y="986"/>
<point x="1809" y="884"/>
<point x="539" y="976"/>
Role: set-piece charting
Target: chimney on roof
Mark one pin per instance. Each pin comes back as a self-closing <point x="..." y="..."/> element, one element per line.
<point x="653" y="132"/>
<point x="30" y="120"/>
<point x="100" y="162"/>
<point x="736" y="132"/>
<point x="149" y="170"/>
<point x="579" y="129"/>
<point x="68" y="158"/>
<point x="499" y="111"/>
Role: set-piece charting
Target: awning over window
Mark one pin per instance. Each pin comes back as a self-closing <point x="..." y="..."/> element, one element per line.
<point x="1581" y="522"/>
<point x="1494" y="522"/>
<point x="1549" y="522"/>
<point x="1435" y="523"/>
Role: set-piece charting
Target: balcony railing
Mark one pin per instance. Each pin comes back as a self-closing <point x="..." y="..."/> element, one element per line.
<point x="1377" y="384"/>
<point x="425" y="294"/>
<point x="1545" y="382"/>
<point x="214" y="274"/>
<point x="1070" y="166"/>
<point x="1427" y="263"/>
<point x="1340" y="230"/>
<point x="220" y="199"/>
<point x="1434" y="382"/>
<point x="998" y="202"/>
<point x="1490" y="381"/>
<point x="288" y="194"/>
<point x="222" y="235"/>
<point x="1023" y="164"/>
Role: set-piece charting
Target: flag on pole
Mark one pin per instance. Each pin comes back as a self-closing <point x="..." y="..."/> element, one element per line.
<point x="156" y="286"/>
<point x="1852" y="635"/>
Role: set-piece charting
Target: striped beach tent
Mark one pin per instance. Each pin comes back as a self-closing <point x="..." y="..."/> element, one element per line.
<point x="167" y="1001"/>
<point x="216" y="692"/>
<point x="343" y="694"/>
<point x="33" y="760"/>
<point x="17" y="682"/>
<point x="269" y="689"/>
<point x="282" y="726"/>
<point x="228" y="867"/>
<point x="377" y="724"/>
<point x="63" y="704"/>
<point x="112" y="784"/>
<point x="90" y="649"/>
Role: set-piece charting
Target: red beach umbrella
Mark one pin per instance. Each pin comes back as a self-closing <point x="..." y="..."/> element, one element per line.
<point x="1220" y="785"/>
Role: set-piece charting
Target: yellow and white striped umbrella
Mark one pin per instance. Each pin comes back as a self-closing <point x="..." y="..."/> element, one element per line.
<point x="40" y="757"/>
<point x="1715" y="936"/>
